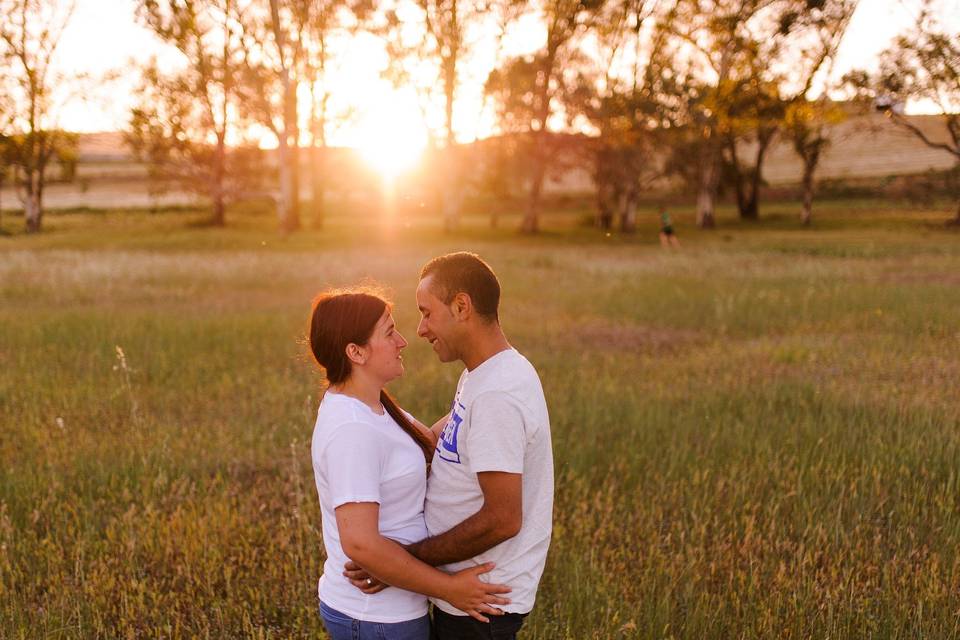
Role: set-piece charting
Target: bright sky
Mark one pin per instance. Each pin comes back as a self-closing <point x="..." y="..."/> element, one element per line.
<point x="104" y="36"/>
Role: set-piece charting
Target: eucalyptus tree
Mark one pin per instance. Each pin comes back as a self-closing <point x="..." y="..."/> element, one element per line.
<point x="753" y="59"/>
<point x="791" y="56"/>
<point x="807" y="125"/>
<point x="923" y="66"/>
<point x="274" y="34"/>
<point x="30" y="31"/>
<point x="449" y="36"/>
<point x="626" y="92"/>
<point x="329" y="25"/>
<point x="808" y="121"/>
<point x="185" y="119"/>
<point x="526" y="89"/>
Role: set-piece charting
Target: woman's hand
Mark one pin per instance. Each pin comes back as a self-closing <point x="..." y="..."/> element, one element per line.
<point x="361" y="579"/>
<point x="473" y="596"/>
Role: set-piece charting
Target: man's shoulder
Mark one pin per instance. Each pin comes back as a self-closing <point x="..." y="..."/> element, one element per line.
<point x="509" y="368"/>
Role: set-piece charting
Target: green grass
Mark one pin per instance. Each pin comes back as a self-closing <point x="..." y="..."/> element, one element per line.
<point x="757" y="436"/>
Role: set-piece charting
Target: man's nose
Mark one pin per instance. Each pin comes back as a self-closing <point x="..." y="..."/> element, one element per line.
<point x="422" y="328"/>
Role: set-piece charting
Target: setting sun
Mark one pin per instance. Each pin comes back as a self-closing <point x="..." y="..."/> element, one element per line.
<point x="390" y="138"/>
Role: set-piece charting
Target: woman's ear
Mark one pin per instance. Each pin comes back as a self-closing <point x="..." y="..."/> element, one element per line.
<point x="356" y="354"/>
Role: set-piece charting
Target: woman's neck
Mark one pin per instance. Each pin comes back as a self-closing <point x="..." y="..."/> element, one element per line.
<point x="366" y="391"/>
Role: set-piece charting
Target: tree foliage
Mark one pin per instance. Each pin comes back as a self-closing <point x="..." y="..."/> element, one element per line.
<point x="185" y="119"/>
<point x="30" y="31"/>
<point x="924" y="67"/>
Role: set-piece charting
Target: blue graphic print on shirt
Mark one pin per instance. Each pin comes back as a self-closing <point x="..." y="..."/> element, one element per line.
<point x="447" y="446"/>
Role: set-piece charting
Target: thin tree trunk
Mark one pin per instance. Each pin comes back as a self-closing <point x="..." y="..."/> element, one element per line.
<point x="806" y="213"/>
<point x="451" y="187"/>
<point x="531" y="218"/>
<point x="219" y="210"/>
<point x="219" y="169"/>
<point x="318" y="177"/>
<point x="293" y="131"/>
<point x="707" y="194"/>
<point x="751" y="207"/>
<point x="604" y="214"/>
<point x="318" y="152"/>
<point x="628" y="215"/>
<point x="283" y="167"/>
<point x="451" y="191"/>
<point x="738" y="177"/>
<point x="32" y="212"/>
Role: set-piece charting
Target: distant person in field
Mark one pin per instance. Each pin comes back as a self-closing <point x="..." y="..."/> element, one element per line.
<point x="668" y="236"/>
<point x="370" y="461"/>
<point x="490" y="492"/>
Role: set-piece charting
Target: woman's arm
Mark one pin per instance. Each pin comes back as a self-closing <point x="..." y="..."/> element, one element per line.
<point x="358" y="524"/>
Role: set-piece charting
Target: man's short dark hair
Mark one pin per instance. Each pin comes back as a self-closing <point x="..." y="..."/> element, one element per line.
<point x="464" y="272"/>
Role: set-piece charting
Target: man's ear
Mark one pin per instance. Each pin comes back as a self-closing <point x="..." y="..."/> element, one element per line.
<point x="461" y="306"/>
<point x="356" y="354"/>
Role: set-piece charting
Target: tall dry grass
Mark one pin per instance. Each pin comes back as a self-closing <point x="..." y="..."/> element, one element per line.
<point x="754" y="438"/>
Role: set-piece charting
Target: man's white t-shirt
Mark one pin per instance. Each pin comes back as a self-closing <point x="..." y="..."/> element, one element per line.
<point x="360" y="456"/>
<point x="498" y="422"/>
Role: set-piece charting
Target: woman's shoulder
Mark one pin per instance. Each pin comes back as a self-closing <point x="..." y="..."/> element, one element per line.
<point x="336" y="419"/>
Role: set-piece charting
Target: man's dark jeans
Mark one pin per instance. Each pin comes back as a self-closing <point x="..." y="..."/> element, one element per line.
<point x="448" y="627"/>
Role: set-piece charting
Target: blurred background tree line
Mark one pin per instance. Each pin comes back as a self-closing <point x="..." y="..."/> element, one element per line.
<point x="647" y="95"/>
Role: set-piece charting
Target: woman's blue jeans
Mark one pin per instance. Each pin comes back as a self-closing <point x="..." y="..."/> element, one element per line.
<point x="340" y="626"/>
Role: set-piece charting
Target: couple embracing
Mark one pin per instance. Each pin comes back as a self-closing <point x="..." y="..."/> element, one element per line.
<point x="459" y="513"/>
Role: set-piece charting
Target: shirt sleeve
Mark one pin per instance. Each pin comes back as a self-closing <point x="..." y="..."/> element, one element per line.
<point x="354" y="465"/>
<point x="497" y="438"/>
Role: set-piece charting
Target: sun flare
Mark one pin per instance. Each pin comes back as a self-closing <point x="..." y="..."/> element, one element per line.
<point x="391" y="140"/>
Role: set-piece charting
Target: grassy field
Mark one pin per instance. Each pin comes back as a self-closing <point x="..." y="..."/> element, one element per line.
<point x="757" y="436"/>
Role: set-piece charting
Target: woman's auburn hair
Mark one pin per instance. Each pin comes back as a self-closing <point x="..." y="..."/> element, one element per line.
<point x="348" y="316"/>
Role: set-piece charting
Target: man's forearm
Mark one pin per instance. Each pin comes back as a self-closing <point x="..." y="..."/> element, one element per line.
<point x="473" y="536"/>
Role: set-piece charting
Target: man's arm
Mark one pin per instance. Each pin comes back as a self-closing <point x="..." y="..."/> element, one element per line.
<point x="438" y="426"/>
<point x="498" y="519"/>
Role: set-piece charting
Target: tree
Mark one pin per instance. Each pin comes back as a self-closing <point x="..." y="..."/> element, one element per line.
<point x="6" y="147"/>
<point x="753" y="60"/>
<point x="924" y="65"/>
<point x="450" y="34"/>
<point x="29" y="33"/>
<point x="526" y="89"/>
<point x="6" y="160"/>
<point x="274" y="33"/>
<point x="328" y="21"/>
<point x="184" y="119"/>
<point x="796" y="49"/>
<point x="626" y="95"/>
<point x="806" y="126"/>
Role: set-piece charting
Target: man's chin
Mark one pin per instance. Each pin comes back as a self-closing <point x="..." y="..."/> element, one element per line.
<point x="446" y="357"/>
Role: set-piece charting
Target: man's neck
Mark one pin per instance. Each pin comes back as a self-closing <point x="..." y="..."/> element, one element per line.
<point x="486" y="344"/>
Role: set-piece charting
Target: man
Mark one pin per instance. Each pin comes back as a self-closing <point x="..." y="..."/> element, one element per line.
<point x="490" y="491"/>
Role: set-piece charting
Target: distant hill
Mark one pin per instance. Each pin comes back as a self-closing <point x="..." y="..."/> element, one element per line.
<point x="104" y="146"/>
<point x="865" y="147"/>
<point x="862" y="147"/>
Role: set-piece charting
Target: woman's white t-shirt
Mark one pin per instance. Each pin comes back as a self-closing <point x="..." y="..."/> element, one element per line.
<point x="360" y="456"/>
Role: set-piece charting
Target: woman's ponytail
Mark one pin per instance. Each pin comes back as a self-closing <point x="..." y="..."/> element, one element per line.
<point x="401" y="419"/>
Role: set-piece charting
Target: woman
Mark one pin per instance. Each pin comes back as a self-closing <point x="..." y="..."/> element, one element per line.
<point x="370" y="460"/>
